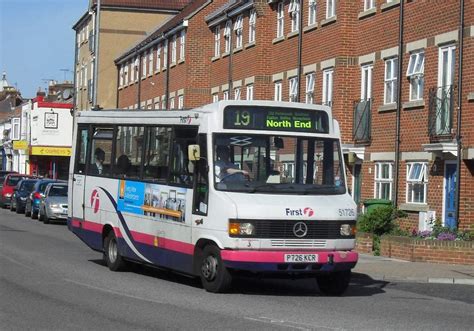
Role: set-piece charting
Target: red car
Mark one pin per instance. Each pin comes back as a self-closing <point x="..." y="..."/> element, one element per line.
<point x="6" y="190"/>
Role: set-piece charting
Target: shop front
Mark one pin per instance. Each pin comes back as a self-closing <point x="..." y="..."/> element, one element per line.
<point x="50" y="162"/>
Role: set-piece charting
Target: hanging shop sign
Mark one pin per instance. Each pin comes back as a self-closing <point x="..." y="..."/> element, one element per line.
<point x="20" y="144"/>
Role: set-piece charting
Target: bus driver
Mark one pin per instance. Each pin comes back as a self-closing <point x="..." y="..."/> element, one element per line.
<point x="225" y="170"/>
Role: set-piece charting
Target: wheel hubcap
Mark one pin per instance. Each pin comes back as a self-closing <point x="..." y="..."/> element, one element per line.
<point x="112" y="250"/>
<point x="209" y="268"/>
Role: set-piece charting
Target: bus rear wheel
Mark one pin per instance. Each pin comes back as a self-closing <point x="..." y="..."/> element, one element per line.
<point x="112" y="256"/>
<point x="214" y="275"/>
<point x="334" y="283"/>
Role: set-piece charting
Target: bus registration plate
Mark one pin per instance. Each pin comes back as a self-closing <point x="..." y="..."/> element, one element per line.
<point x="301" y="258"/>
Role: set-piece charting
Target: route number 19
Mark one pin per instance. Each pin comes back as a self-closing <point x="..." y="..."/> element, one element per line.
<point x="242" y="118"/>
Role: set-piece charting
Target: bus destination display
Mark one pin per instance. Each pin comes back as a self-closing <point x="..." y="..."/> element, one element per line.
<point x="274" y="118"/>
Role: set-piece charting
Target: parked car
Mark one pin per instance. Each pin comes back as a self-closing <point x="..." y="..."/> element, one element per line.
<point x="9" y="183"/>
<point x="54" y="204"/>
<point x="33" y="200"/>
<point x="20" y="194"/>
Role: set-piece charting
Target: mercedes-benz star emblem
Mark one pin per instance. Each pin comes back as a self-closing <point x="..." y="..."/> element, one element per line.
<point x="300" y="229"/>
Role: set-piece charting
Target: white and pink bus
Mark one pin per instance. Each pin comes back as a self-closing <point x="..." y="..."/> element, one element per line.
<point x="234" y="186"/>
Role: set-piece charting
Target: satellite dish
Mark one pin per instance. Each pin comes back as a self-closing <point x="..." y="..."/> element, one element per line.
<point x="66" y="94"/>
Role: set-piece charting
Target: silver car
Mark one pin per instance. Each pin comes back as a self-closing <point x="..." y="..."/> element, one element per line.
<point x="54" y="204"/>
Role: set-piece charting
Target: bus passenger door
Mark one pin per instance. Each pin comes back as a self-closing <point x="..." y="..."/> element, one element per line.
<point x="201" y="185"/>
<point x="78" y="177"/>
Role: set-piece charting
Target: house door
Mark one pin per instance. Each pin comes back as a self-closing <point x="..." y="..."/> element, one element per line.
<point x="450" y="179"/>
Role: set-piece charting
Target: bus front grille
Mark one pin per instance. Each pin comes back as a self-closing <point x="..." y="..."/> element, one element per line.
<point x="298" y="243"/>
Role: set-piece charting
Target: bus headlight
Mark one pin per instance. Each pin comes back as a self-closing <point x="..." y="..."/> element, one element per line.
<point x="241" y="229"/>
<point x="348" y="230"/>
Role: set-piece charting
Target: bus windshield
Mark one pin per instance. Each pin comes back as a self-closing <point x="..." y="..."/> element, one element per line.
<point x="278" y="164"/>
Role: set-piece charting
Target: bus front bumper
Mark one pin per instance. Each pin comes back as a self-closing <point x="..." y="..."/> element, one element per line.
<point x="278" y="261"/>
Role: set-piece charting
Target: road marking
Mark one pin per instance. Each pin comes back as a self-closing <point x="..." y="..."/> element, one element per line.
<point x="290" y="324"/>
<point x="113" y="292"/>
<point x="16" y="262"/>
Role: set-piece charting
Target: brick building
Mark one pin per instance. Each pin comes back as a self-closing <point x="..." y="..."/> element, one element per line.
<point x="121" y="23"/>
<point x="347" y="55"/>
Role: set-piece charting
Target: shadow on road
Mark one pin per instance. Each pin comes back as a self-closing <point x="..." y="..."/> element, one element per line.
<point x="361" y="285"/>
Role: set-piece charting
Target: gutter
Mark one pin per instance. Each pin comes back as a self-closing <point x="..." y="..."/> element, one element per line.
<point x="399" y="103"/>
<point x="459" y="117"/>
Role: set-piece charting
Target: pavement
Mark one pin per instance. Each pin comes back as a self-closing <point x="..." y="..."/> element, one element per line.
<point x="380" y="268"/>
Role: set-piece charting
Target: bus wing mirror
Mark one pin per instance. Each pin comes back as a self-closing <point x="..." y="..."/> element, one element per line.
<point x="194" y="153"/>
<point x="278" y="142"/>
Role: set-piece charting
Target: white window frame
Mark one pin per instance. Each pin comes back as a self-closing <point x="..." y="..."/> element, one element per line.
<point x="173" y="49"/>
<point x="150" y="61"/>
<point x="312" y="12"/>
<point x="446" y="77"/>
<point x="182" y="45"/>
<point x="180" y="101"/>
<point x="310" y="82"/>
<point x="217" y="41"/>
<point x="172" y="103"/>
<point x="293" y="89"/>
<point x="252" y="25"/>
<point x="415" y="72"/>
<point x="369" y="4"/>
<point x="158" y="58"/>
<point x="391" y="81"/>
<point x="278" y="91"/>
<point x="330" y="8"/>
<point x="294" y="11"/>
<point x="416" y="178"/>
<point x="163" y="103"/>
<point x="366" y="82"/>
<point x="125" y="74"/>
<point x="380" y="181"/>
<point x="121" y="75"/>
<point x="144" y="60"/>
<point x="136" y="67"/>
<point x="249" y="92"/>
<point x="215" y="97"/>
<point x="227" y="34"/>
<point x="225" y="95"/>
<point x="165" y="54"/>
<point x="327" y="86"/>
<point x="280" y="19"/>
<point x="16" y="126"/>
<point x="238" y="29"/>
<point x="237" y="93"/>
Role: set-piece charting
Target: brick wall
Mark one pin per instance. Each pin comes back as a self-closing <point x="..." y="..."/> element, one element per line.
<point x="433" y="251"/>
<point x="351" y="37"/>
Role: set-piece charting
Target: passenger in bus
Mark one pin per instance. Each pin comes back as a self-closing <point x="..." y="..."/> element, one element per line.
<point x="123" y="165"/>
<point x="98" y="166"/>
<point x="225" y="170"/>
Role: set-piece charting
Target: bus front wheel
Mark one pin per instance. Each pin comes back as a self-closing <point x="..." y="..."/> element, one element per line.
<point x="112" y="256"/>
<point x="214" y="275"/>
<point x="334" y="283"/>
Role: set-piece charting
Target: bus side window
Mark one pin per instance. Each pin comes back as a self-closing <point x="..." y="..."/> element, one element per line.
<point x="201" y="191"/>
<point x="101" y="151"/>
<point x="81" y="150"/>
<point x="128" y="151"/>
<point x="181" y="168"/>
<point x="156" y="163"/>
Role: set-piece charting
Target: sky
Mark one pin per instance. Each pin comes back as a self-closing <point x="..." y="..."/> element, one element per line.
<point x="37" y="41"/>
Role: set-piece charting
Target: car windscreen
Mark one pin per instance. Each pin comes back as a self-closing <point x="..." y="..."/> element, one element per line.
<point x="27" y="185"/>
<point x="58" y="191"/>
<point x="42" y="186"/>
<point x="13" y="180"/>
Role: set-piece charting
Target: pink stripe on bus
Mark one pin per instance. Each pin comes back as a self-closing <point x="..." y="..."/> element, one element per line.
<point x="279" y="256"/>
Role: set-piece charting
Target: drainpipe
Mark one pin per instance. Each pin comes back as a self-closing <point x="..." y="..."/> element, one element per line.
<point x="139" y="75"/>
<point x="96" y="54"/>
<point x="399" y="103"/>
<point x="458" y="129"/>
<point x="168" y="68"/>
<point x="231" y="50"/>
<point x="300" y="51"/>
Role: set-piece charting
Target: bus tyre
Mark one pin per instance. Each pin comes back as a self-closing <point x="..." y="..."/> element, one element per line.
<point x="112" y="257"/>
<point x="334" y="283"/>
<point x="214" y="275"/>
